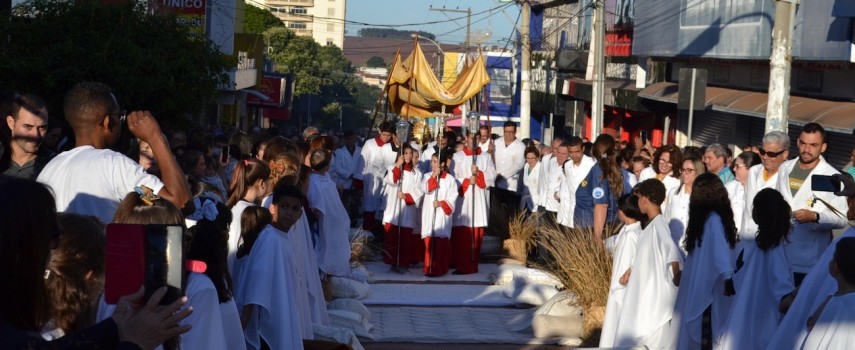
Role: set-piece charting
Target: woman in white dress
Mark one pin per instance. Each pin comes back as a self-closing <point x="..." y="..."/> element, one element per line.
<point x="677" y="208"/>
<point x="530" y="175"/>
<point x="665" y="167"/>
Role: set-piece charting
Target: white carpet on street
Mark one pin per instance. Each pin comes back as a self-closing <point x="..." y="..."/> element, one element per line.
<point x="379" y="273"/>
<point x="438" y="295"/>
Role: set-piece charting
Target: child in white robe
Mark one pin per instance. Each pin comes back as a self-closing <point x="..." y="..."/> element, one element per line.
<point x="440" y="194"/>
<point x="624" y="253"/>
<point x="835" y="326"/>
<point x="762" y="278"/>
<point x="651" y="281"/>
<point x="399" y="218"/>
<point x="248" y="185"/>
<point x="703" y="302"/>
<point x="333" y="247"/>
<point x="266" y="279"/>
<point x="477" y="173"/>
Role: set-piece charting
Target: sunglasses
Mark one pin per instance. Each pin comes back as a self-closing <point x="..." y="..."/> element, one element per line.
<point x="764" y="152"/>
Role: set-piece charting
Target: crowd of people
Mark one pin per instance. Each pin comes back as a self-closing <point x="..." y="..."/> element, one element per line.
<point x="713" y="251"/>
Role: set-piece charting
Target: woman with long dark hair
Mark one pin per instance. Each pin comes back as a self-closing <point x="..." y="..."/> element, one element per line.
<point x="676" y="211"/>
<point x="703" y="301"/>
<point x="596" y="196"/>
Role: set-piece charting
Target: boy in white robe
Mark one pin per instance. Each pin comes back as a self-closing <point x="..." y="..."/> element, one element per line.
<point x="477" y="173"/>
<point x="400" y="216"/>
<point x="267" y="281"/>
<point x="440" y="194"/>
<point x="333" y="246"/>
<point x="651" y="282"/>
<point x="835" y="327"/>
<point x="624" y="253"/>
<point x="372" y="166"/>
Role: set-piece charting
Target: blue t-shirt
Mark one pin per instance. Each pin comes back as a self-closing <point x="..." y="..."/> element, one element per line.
<point x="595" y="190"/>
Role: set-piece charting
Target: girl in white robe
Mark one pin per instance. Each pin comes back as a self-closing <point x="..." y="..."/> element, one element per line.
<point x="440" y="195"/>
<point x="333" y="248"/>
<point x="703" y="302"/>
<point x="477" y="173"/>
<point x="400" y="216"/>
<point x="835" y="326"/>
<point x="248" y="185"/>
<point x="624" y="253"/>
<point x="763" y="279"/>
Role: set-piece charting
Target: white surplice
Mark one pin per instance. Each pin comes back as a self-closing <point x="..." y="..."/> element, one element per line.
<point x="835" y="328"/>
<point x="306" y="262"/>
<point x="760" y="284"/>
<point x="754" y="184"/>
<point x="402" y="212"/>
<point x="702" y="285"/>
<point x="266" y="280"/>
<point x="373" y="162"/>
<point x="573" y="177"/>
<point x="466" y="212"/>
<point x="345" y="166"/>
<point x="436" y="222"/>
<point x="333" y="249"/>
<point x="212" y="328"/>
<point x="817" y="285"/>
<point x="648" y="303"/>
<point x="624" y="253"/>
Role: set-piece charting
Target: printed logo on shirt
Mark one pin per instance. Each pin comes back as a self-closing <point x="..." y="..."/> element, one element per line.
<point x="598" y="193"/>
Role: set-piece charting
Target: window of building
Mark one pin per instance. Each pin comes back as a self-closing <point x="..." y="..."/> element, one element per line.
<point x="331" y="12"/>
<point x="298" y="10"/>
<point x="296" y="25"/>
<point x="330" y="42"/>
<point x="330" y="27"/>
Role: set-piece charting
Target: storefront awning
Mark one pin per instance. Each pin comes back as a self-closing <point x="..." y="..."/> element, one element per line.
<point x="835" y="116"/>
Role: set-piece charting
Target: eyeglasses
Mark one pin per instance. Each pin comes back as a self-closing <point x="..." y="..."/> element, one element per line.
<point x="769" y="154"/>
<point x="688" y="170"/>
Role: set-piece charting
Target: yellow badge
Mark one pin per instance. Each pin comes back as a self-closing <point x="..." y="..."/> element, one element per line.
<point x="810" y="202"/>
<point x="584" y="183"/>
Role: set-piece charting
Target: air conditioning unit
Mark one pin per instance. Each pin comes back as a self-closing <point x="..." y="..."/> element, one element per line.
<point x="574" y="60"/>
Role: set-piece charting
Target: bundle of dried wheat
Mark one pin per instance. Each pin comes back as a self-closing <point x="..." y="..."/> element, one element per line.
<point x="362" y="247"/>
<point x="522" y="229"/>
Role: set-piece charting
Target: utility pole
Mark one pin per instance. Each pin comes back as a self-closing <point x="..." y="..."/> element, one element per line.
<point x="780" y="62"/>
<point x="525" y="71"/>
<point x="468" y="13"/>
<point x="598" y="85"/>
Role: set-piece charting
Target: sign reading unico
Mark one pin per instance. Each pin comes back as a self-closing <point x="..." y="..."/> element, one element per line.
<point x="184" y="6"/>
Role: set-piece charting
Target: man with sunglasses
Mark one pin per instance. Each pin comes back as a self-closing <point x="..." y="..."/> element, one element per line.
<point x="91" y="179"/>
<point x="27" y="119"/>
<point x="813" y="217"/>
<point x="773" y="153"/>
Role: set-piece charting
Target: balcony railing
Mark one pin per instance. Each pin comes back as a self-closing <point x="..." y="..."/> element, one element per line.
<point x="307" y="3"/>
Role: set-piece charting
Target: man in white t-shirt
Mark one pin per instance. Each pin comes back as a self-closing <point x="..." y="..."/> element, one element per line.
<point x="508" y="155"/>
<point x="91" y="179"/>
<point x="345" y="166"/>
<point x="773" y="153"/>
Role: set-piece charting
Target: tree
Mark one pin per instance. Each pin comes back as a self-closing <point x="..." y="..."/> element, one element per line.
<point x="148" y="60"/>
<point x="258" y="20"/>
<point x="375" y="62"/>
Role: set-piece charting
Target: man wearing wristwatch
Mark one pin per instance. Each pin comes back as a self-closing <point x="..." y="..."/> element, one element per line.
<point x="812" y="218"/>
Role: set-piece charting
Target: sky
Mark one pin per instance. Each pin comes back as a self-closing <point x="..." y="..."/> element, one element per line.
<point x="489" y="26"/>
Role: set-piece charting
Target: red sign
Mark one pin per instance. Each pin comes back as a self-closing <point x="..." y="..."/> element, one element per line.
<point x="276" y="113"/>
<point x="619" y="43"/>
<point x="274" y="88"/>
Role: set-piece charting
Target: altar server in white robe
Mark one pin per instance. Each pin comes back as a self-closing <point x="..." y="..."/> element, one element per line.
<point x="345" y="168"/>
<point x="648" y="303"/>
<point x="333" y="248"/>
<point x="762" y="276"/>
<point x="440" y="196"/>
<point x="575" y="170"/>
<point x="703" y="302"/>
<point x="625" y="248"/>
<point x="477" y="173"/>
<point x="835" y="326"/>
<point x="267" y="282"/>
<point x="817" y="286"/>
<point x="372" y="167"/>
<point x="400" y="216"/>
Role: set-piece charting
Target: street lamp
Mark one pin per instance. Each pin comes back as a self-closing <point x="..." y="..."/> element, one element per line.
<point x="439" y="54"/>
<point x="474" y="119"/>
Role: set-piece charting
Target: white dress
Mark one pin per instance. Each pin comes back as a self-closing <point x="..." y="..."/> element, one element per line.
<point x="648" y="303"/>
<point x="466" y="212"/>
<point x="625" y="248"/>
<point x="333" y="249"/>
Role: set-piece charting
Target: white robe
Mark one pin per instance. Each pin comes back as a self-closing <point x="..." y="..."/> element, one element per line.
<point x="648" y="303"/>
<point x="211" y="327"/>
<point x="760" y="284"/>
<point x="835" y="328"/>
<point x="466" y="212"/>
<point x="573" y="177"/>
<point x="677" y="215"/>
<point x="754" y="184"/>
<point x="702" y="285"/>
<point x="266" y="280"/>
<point x="530" y="191"/>
<point x="333" y="249"/>
<point x="234" y="233"/>
<point x="398" y="212"/>
<point x="373" y="162"/>
<point x="552" y="185"/>
<point x="625" y="248"/>
<point x="547" y="166"/>
<point x="817" y="285"/>
<point x="807" y="241"/>
<point x="306" y="269"/>
<point x="435" y="221"/>
<point x="509" y="160"/>
<point x="345" y="166"/>
<point x="736" y="194"/>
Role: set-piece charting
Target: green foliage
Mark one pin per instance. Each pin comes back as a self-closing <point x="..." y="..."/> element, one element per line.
<point x="375" y="62"/>
<point x="325" y="72"/>
<point x="148" y="60"/>
<point x="258" y="20"/>
<point x="392" y="33"/>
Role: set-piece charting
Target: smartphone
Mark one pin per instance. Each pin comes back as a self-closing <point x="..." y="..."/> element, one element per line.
<point x="150" y="255"/>
<point x="645" y="135"/>
<point x="825" y="183"/>
<point x="224" y="157"/>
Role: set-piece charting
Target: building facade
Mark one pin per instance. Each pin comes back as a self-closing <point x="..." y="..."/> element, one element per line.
<point x="323" y="20"/>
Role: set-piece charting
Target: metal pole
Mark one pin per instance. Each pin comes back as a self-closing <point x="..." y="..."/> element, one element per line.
<point x="525" y="71"/>
<point x="780" y="64"/>
<point x="599" y="70"/>
<point x="691" y="106"/>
